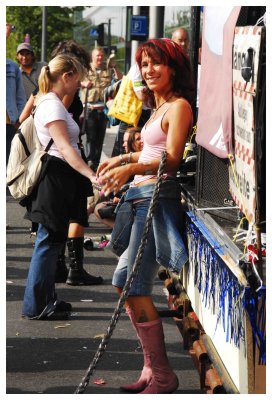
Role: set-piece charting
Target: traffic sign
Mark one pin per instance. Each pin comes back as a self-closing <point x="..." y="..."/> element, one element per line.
<point x="138" y="27"/>
<point x="93" y="32"/>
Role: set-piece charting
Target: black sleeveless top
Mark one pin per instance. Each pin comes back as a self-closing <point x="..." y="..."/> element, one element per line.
<point x="76" y="108"/>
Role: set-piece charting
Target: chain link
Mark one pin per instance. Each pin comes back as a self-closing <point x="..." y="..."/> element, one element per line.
<point x="114" y="319"/>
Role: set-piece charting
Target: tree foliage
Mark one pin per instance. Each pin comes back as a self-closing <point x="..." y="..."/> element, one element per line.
<point x="180" y="18"/>
<point x="60" y="26"/>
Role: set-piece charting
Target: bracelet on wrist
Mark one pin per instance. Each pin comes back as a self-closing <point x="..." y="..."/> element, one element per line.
<point x="122" y="161"/>
<point x="129" y="158"/>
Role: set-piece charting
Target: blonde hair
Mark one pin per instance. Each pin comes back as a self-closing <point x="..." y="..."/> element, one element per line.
<point x="57" y="66"/>
<point x="99" y="50"/>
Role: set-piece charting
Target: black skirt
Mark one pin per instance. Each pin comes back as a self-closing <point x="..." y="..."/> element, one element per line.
<point x="60" y="197"/>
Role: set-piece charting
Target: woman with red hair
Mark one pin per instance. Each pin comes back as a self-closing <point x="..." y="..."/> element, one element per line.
<point x="166" y="72"/>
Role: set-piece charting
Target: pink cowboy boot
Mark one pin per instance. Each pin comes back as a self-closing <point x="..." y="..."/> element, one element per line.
<point x="146" y="373"/>
<point x="164" y="380"/>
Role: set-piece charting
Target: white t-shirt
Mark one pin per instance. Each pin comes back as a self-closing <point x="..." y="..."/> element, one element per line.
<point x="136" y="77"/>
<point x="53" y="110"/>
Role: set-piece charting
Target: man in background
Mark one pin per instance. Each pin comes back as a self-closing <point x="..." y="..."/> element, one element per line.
<point x="30" y="68"/>
<point x="100" y="75"/>
<point x="15" y="97"/>
<point x="181" y="37"/>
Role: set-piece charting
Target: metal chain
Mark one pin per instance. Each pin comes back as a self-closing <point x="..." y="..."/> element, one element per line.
<point x="117" y="312"/>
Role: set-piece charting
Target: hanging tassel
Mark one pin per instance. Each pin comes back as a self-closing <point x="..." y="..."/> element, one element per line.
<point x="221" y="291"/>
<point x="255" y="305"/>
<point x="219" y="288"/>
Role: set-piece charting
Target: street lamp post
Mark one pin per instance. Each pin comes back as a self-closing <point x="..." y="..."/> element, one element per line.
<point x="109" y="36"/>
<point x="44" y="34"/>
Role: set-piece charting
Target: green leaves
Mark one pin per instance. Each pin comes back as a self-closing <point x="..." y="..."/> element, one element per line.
<point x="60" y="26"/>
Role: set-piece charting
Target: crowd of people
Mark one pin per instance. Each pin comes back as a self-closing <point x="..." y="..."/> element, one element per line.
<point x="71" y="173"/>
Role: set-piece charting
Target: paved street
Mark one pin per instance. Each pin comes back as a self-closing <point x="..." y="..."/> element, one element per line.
<point x="51" y="357"/>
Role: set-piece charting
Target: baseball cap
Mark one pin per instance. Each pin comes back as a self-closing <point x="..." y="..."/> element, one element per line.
<point x="25" y="46"/>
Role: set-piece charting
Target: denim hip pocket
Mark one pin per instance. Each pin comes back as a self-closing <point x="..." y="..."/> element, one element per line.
<point x="122" y="228"/>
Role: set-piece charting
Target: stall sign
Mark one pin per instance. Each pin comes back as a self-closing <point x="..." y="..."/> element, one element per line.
<point x="246" y="54"/>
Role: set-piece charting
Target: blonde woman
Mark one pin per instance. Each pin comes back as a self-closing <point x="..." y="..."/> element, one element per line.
<point x="61" y="195"/>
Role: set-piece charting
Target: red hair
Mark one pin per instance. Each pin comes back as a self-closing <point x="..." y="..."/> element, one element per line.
<point x="167" y="52"/>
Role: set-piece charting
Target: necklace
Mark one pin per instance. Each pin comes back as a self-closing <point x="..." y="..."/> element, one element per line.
<point x="156" y="109"/>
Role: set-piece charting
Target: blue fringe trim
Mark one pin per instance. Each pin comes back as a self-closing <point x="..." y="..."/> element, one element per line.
<point x="255" y="305"/>
<point x="221" y="291"/>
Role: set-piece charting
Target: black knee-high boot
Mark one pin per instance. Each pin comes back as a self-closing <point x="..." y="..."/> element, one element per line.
<point x="77" y="274"/>
<point x="62" y="270"/>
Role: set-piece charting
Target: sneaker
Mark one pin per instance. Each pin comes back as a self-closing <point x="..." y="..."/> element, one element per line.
<point x="101" y="238"/>
<point x="88" y="244"/>
<point x="54" y="316"/>
<point x="54" y="311"/>
<point x="57" y="311"/>
<point x="63" y="306"/>
<point x="103" y="244"/>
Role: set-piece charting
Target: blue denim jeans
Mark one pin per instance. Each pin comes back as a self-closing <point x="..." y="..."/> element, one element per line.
<point x="142" y="284"/>
<point x="167" y="224"/>
<point x="10" y="133"/>
<point x="40" y="293"/>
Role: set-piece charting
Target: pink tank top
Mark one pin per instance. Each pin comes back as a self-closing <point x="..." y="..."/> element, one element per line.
<point x="154" y="140"/>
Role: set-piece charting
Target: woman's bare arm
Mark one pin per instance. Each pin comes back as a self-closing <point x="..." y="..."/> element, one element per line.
<point x="27" y="109"/>
<point x="58" y="132"/>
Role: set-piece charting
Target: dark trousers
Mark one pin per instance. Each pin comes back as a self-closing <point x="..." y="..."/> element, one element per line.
<point x="95" y="132"/>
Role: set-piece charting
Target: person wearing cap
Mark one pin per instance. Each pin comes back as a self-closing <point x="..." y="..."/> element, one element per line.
<point x="29" y="67"/>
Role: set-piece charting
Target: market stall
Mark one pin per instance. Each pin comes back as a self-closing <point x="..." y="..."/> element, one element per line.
<point x="225" y="280"/>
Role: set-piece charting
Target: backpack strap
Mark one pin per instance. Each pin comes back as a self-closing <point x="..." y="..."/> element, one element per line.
<point x="22" y="140"/>
<point x="34" y="109"/>
<point x="51" y="141"/>
<point x="27" y="152"/>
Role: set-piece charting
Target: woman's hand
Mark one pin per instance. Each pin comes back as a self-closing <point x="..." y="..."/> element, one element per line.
<point x="113" y="179"/>
<point x="94" y="180"/>
<point x="107" y="164"/>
